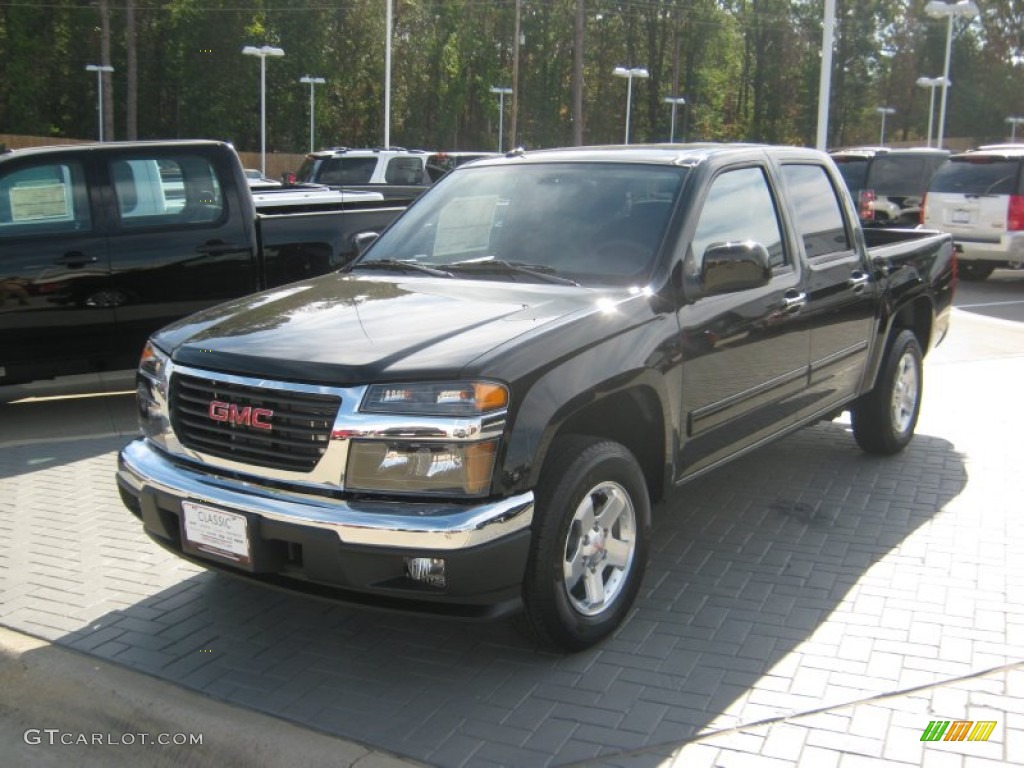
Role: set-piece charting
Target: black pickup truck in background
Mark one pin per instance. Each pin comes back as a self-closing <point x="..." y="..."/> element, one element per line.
<point x="475" y="417"/>
<point x="104" y="243"/>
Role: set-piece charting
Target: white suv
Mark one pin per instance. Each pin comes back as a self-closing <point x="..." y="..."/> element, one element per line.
<point x="394" y="172"/>
<point x="978" y="197"/>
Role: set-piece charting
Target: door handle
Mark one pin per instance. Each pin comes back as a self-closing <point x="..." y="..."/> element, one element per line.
<point x="859" y="281"/>
<point x="215" y="247"/>
<point x="793" y="302"/>
<point x="75" y="260"/>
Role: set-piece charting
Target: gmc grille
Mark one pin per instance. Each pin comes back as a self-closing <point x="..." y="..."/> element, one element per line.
<point x="298" y="436"/>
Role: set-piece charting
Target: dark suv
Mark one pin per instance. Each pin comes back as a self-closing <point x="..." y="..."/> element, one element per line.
<point x="888" y="185"/>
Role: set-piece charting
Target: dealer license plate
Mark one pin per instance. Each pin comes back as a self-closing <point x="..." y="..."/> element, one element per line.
<point x="217" y="531"/>
<point x="961" y="217"/>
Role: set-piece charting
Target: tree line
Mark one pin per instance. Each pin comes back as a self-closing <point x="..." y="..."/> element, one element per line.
<point x="747" y="70"/>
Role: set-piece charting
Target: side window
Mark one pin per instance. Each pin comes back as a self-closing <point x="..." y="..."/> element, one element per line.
<point x="44" y="199"/>
<point x="819" y="217"/>
<point x="404" y="170"/>
<point x="739" y="207"/>
<point x="162" y="191"/>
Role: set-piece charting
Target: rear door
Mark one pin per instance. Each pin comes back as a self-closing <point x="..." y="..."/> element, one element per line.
<point x="841" y="294"/>
<point x="745" y="354"/>
<point x="181" y="240"/>
<point x="55" y="316"/>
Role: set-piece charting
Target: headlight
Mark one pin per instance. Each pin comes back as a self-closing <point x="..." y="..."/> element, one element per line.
<point x="151" y="390"/>
<point x="153" y="362"/>
<point x="398" y="466"/>
<point x="459" y="465"/>
<point x="436" y="398"/>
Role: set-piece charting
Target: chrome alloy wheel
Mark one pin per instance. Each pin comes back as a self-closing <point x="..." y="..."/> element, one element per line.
<point x="905" y="389"/>
<point x="599" y="548"/>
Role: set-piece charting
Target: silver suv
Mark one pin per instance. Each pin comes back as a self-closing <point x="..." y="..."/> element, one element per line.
<point x="978" y="197"/>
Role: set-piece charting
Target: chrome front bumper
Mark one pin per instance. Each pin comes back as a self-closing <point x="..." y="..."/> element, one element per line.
<point x="441" y="525"/>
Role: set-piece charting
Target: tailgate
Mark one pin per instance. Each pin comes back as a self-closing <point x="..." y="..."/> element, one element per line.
<point x="977" y="217"/>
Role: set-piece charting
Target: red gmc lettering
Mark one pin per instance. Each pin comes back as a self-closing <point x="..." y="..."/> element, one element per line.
<point x="257" y="418"/>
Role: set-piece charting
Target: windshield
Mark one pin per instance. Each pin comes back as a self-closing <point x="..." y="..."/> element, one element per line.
<point x="902" y="174"/>
<point x="977" y="176"/>
<point x="591" y="223"/>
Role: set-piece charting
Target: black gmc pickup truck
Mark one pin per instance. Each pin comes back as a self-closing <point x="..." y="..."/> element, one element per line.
<point x="102" y="244"/>
<point x="475" y="417"/>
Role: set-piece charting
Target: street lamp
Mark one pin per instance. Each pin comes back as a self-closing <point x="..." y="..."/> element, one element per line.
<point x="1014" y="122"/>
<point x="931" y="83"/>
<point x="937" y="9"/>
<point x="313" y="82"/>
<point x="502" y="92"/>
<point x="99" y="69"/>
<point x="629" y="73"/>
<point x="884" y="111"/>
<point x="675" y="101"/>
<point x="263" y="52"/>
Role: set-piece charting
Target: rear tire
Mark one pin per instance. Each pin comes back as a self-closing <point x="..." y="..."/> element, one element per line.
<point x="884" y="419"/>
<point x="974" y="271"/>
<point x="590" y="538"/>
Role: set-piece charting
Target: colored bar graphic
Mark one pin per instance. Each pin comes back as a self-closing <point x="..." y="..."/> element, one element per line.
<point x="959" y="730"/>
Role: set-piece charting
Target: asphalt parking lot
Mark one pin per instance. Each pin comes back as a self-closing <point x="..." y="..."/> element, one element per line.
<point x="807" y="605"/>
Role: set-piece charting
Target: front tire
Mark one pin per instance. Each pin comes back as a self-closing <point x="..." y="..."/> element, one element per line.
<point x="884" y="419"/>
<point x="590" y="541"/>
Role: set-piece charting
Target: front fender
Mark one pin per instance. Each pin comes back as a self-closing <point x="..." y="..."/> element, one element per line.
<point x="587" y="393"/>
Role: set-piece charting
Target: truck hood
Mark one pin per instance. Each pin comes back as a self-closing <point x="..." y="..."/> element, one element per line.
<point x="345" y="329"/>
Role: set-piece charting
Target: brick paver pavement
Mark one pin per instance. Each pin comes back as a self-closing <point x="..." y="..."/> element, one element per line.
<point x="807" y="605"/>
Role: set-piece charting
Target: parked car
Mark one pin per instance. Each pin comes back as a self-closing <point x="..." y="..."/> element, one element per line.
<point x="978" y="197"/>
<point x="888" y="184"/>
<point x="398" y="174"/>
<point x="101" y="244"/>
<point x="440" y="163"/>
<point x="475" y="417"/>
<point x="256" y="178"/>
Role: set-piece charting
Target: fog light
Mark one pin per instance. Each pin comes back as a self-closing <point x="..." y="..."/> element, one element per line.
<point x="429" y="570"/>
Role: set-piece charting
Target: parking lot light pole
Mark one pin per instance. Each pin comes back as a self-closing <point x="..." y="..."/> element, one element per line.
<point x="931" y="83"/>
<point x="675" y="101"/>
<point x="99" y="69"/>
<point x="502" y="92"/>
<point x="313" y="82"/>
<point x="937" y="9"/>
<point x="629" y="73"/>
<point x="263" y="52"/>
<point x="884" y="112"/>
<point x="1014" y="122"/>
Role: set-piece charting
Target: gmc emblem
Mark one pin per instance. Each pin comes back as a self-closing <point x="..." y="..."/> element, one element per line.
<point x="229" y="413"/>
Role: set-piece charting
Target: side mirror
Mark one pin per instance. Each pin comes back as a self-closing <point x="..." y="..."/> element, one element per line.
<point x="363" y="240"/>
<point x="730" y="267"/>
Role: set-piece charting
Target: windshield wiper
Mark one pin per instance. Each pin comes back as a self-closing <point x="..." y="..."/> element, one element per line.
<point x="401" y="266"/>
<point x="540" y="272"/>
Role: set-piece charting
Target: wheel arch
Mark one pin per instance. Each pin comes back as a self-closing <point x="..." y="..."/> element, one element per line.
<point x="918" y="317"/>
<point x="632" y="417"/>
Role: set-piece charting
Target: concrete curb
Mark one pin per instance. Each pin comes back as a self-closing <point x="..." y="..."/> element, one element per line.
<point x="61" y="707"/>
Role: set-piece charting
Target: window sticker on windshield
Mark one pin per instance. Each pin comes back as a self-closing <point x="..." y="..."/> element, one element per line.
<point x="39" y="201"/>
<point x="464" y="225"/>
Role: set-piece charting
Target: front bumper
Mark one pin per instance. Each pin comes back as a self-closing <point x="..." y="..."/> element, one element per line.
<point x="350" y="550"/>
